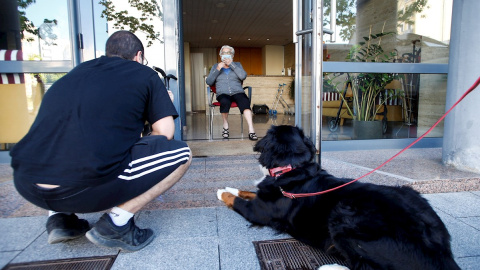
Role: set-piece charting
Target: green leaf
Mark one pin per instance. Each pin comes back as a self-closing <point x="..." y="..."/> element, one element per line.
<point x="149" y="10"/>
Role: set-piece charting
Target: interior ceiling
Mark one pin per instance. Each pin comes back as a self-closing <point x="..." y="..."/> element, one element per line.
<point x="238" y="23"/>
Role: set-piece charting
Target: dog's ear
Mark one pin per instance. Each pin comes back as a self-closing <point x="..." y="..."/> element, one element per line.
<point x="305" y="149"/>
<point x="263" y="147"/>
<point x="308" y="143"/>
<point x="284" y="145"/>
<point x="262" y="143"/>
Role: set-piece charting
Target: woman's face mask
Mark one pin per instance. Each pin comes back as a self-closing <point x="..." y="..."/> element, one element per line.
<point x="226" y="56"/>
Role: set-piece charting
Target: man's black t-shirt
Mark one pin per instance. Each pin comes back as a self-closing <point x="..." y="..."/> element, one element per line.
<point x="88" y="121"/>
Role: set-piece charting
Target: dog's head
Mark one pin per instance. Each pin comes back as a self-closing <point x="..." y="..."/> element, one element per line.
<point x="284" y="145"/>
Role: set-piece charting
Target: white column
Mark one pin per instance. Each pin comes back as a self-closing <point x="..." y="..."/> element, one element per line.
<point x="461" y="139"/>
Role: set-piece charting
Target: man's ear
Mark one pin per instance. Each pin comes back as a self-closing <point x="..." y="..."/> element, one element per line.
<point x="138" y="57"/>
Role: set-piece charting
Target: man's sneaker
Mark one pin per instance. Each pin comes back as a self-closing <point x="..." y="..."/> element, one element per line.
<point x="127" y="237"/>
<point x="62" y="227"/>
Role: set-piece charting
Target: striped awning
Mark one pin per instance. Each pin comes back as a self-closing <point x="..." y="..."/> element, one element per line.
<point x="11" y="78"/>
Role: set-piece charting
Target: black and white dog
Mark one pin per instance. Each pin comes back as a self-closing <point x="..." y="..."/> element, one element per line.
<point x="370" y="226"/>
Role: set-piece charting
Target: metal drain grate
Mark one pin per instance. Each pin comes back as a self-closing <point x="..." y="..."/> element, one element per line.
<point x="291" y="254"/>
<point x="88" y="263"/>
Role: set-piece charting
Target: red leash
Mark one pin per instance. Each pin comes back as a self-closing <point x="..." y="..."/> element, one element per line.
<point x="301" y="195"/>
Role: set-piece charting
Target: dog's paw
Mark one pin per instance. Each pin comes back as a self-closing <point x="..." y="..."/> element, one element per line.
<point x="332" y="267"/>
<point x="219" y="194"/>
<point x="226" y="197"/>
<point x="234" y="191"/>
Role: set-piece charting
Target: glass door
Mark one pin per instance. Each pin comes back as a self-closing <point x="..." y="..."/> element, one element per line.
<point x="37" y="46"/>
<point x="307" y="36"/>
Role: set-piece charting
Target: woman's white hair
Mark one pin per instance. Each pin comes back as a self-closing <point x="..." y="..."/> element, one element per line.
<point x="228" y="47"/>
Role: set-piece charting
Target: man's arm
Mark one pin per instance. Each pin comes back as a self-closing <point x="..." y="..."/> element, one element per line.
<point x="165" y="127"/>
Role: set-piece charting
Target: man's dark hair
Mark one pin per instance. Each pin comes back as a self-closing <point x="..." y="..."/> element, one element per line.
<point x="123" y="44"/>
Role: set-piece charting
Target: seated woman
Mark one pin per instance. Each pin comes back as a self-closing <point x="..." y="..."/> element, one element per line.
<point x="227" y="76"/>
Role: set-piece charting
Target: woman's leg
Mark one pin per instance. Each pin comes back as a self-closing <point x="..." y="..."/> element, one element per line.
<point x="247" y="113"/>
<point x="243" y="103"/>
<point x="225" y="103"/>
<point x="225" y="120"/>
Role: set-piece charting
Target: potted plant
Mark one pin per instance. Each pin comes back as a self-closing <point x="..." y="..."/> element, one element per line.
<point x="368" y="89"/>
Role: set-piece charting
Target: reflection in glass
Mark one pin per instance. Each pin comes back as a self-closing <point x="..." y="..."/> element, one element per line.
<point x="419" y="26"/>
<point x="306" y="85"/>
<point x="45" y="32"/>
<point x="409" y="104"/>
<point x="19" y="103"/>
<point x="306" y="71"/>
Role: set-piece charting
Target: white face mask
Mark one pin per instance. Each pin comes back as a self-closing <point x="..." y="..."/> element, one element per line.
<point x="225" y="56"/>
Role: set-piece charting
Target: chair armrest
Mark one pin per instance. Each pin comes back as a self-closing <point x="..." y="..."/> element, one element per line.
<point x="249" y="91"/>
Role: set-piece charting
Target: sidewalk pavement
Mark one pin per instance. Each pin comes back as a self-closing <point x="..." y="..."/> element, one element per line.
<point x="195" y="231"/>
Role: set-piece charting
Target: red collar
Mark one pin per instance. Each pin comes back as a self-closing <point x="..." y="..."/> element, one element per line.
<point x="276" y="172"/>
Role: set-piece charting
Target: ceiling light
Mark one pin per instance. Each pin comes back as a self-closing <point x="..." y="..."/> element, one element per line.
<point x="249" y="39"/>
<point x="229" y="38"/>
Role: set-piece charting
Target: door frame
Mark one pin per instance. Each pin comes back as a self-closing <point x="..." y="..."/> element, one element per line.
<point x="316" y="32"/>
<point x="174" y="59"/>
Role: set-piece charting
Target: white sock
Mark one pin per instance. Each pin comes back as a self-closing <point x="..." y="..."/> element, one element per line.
<point x="119" y="216"/>
<point x="51" y="213"/>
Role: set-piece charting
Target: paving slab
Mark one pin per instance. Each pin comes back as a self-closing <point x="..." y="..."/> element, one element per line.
<point x="175" y="254"/>
<point x="19" y="233"/>
<point x="6" y="257"/>
<point x="180" y="223"/>
<point x="40" y="250"/>
<point x="456" y="204"/>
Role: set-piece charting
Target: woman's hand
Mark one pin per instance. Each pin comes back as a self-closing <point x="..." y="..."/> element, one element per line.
<point x="221" y="65"/>
<point x="227" y="61"/>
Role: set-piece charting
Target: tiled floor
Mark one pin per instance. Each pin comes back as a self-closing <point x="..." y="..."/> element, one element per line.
<point x="197" y="127"/>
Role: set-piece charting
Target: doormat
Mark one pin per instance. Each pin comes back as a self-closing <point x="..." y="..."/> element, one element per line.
<point x="291" y="254"/>
<point x="87" y="263"/>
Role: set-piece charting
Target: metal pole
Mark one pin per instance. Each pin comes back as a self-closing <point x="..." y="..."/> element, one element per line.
<point x="317" y="74"/>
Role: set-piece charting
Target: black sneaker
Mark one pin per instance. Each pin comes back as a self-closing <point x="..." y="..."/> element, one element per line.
<point x="127" y="237"/>
<point x="62" y="227"/>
